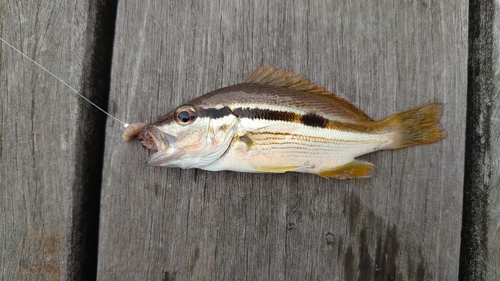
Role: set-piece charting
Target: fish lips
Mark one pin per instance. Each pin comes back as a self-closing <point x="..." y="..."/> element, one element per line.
<point x="164" y="144"/>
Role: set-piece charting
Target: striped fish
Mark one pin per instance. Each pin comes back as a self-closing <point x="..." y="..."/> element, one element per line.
<point x="275" y="122"/>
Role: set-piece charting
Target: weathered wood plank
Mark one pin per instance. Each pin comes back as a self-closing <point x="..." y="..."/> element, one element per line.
<point x="492" y="163"/>
<point x="480" y="251"/>
<point x="51" y="154"/>
<point x="385" y="57"/>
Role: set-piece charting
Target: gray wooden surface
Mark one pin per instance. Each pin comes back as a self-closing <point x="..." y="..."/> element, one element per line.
<point x="493" y="163"/>
<point x="385" y="57"/>
<point x="480" y="246"/>
<point x="39" y="121"/>
<point x="51" y="142"/>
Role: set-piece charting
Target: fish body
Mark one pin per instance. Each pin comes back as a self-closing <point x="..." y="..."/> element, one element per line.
<point x="275" y="122"/>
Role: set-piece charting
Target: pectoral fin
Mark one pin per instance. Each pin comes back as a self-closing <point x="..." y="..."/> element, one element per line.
<point x="354" y="169"/>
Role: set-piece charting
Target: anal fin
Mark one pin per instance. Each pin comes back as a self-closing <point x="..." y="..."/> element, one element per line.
<point x="354" y="169"/>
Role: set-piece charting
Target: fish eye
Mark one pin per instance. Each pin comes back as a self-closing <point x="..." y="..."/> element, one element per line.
<point x="185" y="114"/>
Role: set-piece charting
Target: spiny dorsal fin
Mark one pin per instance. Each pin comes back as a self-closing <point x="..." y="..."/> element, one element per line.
<point x="270" y="76"/>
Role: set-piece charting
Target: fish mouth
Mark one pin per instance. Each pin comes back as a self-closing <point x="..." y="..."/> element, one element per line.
<point x="159" y="142"/>
<point x="154" y="139"/>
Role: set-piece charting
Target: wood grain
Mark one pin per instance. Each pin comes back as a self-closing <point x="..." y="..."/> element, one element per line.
<point x="493" y="163"/>
<point x="48" y="142"/>
<point x="385" y="57"/>
<point x="38" y="135"/>
<point x="480" y="246"/>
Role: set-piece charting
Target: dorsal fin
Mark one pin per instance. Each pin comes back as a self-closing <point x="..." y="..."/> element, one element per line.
<point x="269" y="76"/>
<point x="272" y="77"/>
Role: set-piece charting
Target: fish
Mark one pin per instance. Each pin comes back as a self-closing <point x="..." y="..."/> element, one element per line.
<point x="275" y="122"/>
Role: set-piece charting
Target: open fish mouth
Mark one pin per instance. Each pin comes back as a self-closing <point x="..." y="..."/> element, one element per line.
<point x="160" y="142"/>
<point x="156" y="140"/>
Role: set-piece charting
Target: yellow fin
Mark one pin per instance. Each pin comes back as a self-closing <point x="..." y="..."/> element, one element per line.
<point x="417" y="126"/>
<point x="272" y="77"/>
<point x="354" y="169"/>
<point x="276" y="169"/>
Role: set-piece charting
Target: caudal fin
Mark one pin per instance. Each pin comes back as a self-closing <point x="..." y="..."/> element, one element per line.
<point x="417" y="126"/>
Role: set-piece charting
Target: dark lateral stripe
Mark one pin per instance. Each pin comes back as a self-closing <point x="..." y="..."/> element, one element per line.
<point x="266" y="114"/>
<point x="314" y="120"/>
<point x="309" y="119"/>
<point x="215" y="112"/>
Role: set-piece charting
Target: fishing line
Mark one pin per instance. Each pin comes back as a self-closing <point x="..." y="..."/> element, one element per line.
<point x="64" y="83"/>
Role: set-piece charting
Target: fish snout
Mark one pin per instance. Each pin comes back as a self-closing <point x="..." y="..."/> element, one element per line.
<point x="156" y="140"/>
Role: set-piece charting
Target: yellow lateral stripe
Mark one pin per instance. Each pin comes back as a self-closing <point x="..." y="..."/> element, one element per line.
<point x="276" y="169"/>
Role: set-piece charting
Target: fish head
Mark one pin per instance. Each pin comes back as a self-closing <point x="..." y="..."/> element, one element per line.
<point x="189" y="136"/>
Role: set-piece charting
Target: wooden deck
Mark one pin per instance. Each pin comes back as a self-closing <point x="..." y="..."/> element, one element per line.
<point x="76" y="203"/>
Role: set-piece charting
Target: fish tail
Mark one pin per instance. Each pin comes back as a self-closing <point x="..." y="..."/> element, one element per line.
<point x="417" y="126"/>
